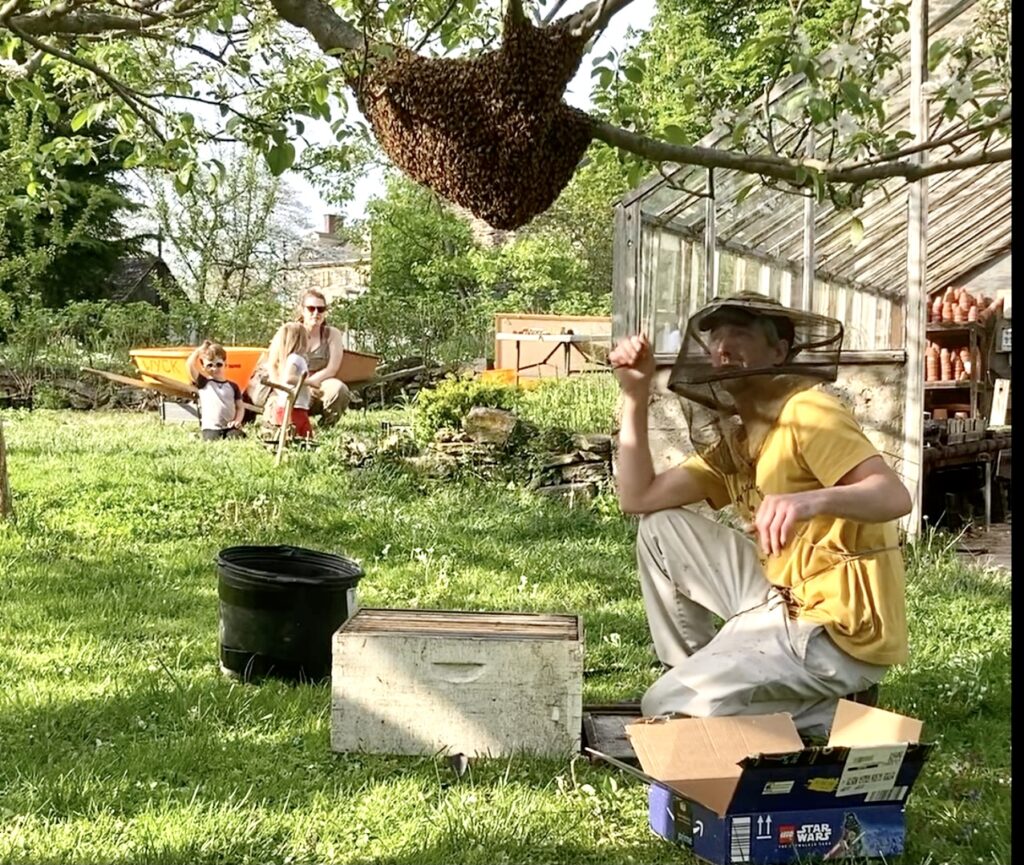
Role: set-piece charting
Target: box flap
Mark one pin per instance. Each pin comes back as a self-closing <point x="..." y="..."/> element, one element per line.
<point x="859" y="726"/>
<point x="699" y="757"/>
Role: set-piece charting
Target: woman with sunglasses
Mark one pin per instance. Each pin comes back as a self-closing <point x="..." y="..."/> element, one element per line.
<point x="220" y="401"/>
<point x="324" y="351"/>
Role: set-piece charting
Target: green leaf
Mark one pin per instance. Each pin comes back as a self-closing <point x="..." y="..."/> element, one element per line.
<point x="132" y="159"/>
<point x="80" y="119"/>
<point x="856" y="231"/>
<point x="606" y="77"/>
<point x="851" y="93"/>
<point x="938" y="49"/>
<point x="183" y="179"/>
<point x="676" y="134"/>
<point x="634" y="74"/>
<point x="745" y="191"/>
<point x="280" y="158"/>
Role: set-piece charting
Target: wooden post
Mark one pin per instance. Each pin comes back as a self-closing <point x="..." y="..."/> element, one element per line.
<point x="286" y="421"/>
<point x="917" y="269"/>
<point x="710" y="277"/>
<point x="626" y="282"/>
<point x="6" y="503"/>
<point x="807" y="289"/>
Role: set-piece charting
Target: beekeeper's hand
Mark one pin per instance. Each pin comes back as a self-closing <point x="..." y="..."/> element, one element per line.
<point x="633" y="363"/>
<point x="777" y="517"/>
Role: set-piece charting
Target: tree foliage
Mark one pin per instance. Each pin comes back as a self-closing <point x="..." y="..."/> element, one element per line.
<point x="231" y="237"/>
<point x="61" y="226"/>
<point x="434" y="289"/>
<point x="167" y="76"/>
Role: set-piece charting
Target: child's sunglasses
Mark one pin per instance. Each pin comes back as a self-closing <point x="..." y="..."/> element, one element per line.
<point x="316" y="308"/>
<point x="213" y="364"/>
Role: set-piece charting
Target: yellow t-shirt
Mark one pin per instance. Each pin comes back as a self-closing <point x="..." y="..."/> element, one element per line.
<point x="844" y="574"/>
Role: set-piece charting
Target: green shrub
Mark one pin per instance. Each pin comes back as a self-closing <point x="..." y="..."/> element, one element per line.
<point x="451" y="400"/>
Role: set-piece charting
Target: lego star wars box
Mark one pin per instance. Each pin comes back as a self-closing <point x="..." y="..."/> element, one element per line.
<point x="746" y="789"/>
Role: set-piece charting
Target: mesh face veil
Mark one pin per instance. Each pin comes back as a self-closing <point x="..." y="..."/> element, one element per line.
<point x="741" y="359"/>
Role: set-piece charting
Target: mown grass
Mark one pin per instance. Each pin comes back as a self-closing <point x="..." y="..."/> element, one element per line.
<point x="122" y="742"/>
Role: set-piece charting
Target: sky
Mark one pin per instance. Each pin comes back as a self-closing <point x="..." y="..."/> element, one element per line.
<point x="636" y="16"/>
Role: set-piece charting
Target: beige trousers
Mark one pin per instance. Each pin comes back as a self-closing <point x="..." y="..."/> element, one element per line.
<point x="760" y="661"/>
<point x="333" y="400"/>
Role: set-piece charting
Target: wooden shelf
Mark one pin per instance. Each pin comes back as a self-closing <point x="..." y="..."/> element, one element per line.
<point x="954" y="327"/>
<point x="953" y="385"/>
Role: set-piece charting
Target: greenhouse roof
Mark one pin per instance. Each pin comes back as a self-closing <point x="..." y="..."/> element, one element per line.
<point x="969" y="213"/>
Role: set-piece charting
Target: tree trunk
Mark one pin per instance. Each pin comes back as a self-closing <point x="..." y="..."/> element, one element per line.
<point x="6" y="504"/>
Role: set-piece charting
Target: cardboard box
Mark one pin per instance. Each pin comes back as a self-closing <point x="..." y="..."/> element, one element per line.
<point x="745" y="789"/>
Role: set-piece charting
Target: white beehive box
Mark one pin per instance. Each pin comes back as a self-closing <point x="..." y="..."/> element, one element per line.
<point x="480" y="684"/>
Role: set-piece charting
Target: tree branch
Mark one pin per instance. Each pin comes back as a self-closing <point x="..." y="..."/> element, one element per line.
<point x="780" y="167"/>
<point x="332" y="33"/>
<point x="514" y="10"/>
<point x="433" y="27"/>
<point x="594" y="17"/>
<point x="44" y="23"/>
<point x="547" y="19"/>
<point x="134" y="102"/>
<point x="1000" y="119"/>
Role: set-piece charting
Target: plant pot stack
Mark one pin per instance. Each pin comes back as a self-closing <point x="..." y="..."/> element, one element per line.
<point x="946" y="362"/>
<point x="949" y="364"/>
<point x="958" y="305"/>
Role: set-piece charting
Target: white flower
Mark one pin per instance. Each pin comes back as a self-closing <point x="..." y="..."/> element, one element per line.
<point x="960" y="91"/>
<point x="723" y="117"/>
<point x="845" y="124"/>
<point x="845" y="54"/>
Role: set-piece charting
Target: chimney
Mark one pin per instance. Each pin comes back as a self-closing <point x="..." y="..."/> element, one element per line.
<point x="332" y="223"/>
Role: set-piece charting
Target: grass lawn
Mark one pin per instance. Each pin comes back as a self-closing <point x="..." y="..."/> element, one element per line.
<point x="122" y="742"/>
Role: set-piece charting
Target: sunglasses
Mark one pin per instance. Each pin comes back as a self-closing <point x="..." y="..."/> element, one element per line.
<point x="316" y="309"/>
<point x="213" y="364"/>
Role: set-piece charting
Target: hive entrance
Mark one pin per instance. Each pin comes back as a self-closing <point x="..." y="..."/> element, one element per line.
<point x="491" y="132"/>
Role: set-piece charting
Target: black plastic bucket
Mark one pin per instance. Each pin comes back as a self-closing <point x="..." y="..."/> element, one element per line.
<point x="279" y="607"/>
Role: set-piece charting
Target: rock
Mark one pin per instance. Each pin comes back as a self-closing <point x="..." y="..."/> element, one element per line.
<point x="560" y="460"/>
<point x="596" y="442"/>
<point x="490" y="425"/>
<point x="586" y="472"/>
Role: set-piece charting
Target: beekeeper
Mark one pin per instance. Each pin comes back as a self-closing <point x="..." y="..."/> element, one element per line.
<point x="811" y="591"/>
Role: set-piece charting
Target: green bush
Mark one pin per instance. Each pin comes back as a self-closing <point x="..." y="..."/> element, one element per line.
<point x="451" y="400"/>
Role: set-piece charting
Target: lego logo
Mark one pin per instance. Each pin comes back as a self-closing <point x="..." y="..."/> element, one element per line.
<point x="786" y="835"/>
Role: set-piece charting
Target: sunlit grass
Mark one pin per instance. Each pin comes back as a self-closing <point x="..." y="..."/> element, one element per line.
<point x="122" y="742"/>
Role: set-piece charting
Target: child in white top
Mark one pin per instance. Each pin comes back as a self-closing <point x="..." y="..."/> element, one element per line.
<point x="220" y="401"/>
<point x="287" y="364"/>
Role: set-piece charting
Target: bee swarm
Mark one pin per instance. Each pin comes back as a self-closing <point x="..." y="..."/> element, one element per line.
<point x="491" y="132"/>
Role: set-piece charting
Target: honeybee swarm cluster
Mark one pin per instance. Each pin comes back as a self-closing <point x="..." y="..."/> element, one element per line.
<point x="491" y="132"/>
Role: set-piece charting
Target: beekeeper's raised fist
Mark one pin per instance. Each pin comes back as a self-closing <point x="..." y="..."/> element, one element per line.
<point x="633" y="363"/>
